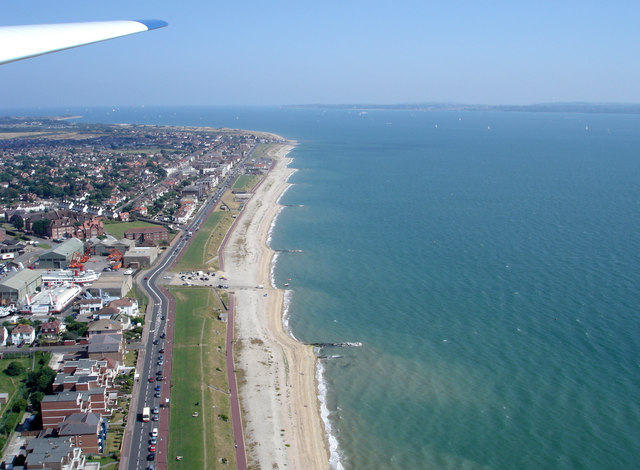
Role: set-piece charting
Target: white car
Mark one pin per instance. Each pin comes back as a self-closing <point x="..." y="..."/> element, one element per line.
<point x="154" y="433"/>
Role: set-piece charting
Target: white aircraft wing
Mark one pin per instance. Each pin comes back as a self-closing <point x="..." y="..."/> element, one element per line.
<point x="22" y="42"/>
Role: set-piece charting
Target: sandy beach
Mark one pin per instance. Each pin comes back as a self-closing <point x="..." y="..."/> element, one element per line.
<point x="278" y="391"/>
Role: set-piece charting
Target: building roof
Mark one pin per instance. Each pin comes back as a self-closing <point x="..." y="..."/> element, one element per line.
<point x="43" y="452"/>
<point x="18" y="280"/>
<point x="66" y="249"/>
<point x="142" y="251"/>
<point x="67" y="395"/>
<point x="22" y="328"/>
<point x="102" y="325"/>
<point x="123" y="302"/>
<point x="80" y="423"/>
<point x="112" y="280"/>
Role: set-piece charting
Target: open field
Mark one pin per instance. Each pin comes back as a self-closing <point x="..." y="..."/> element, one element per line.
<point x="203" y="250"/>
<point x="245" y="182"/>
<point x="262" y="150"/>
<point x="117" y="229"/>
<point x="199" y="376"/>
<point x="11" y="384"/>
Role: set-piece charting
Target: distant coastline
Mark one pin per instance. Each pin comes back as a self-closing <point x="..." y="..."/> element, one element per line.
<point x="575" y="107"/>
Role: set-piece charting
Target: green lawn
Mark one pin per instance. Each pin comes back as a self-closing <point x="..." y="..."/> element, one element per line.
<point x="198" y="370"/>
<point x="245" y="182"/>
<point x="117" y="229"/>
<point x="204" y="246"/>
<point x="11" y="384"/>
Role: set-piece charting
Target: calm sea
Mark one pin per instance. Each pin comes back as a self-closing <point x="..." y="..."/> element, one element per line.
<point x="489" y="264"/>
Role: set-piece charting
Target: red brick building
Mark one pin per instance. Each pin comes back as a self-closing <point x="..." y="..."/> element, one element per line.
<point x="155" y="234"/>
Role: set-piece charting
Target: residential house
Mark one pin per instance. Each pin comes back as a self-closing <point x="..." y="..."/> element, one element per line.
<point x="86" y="431"/>
<point x="126" y="306"/>
<point x="157" y="234"/>
<point x="50" y="331"/>
<point x="23" y="334"/>
<point x="88" y="306"/>
<point x="55" y="453"/>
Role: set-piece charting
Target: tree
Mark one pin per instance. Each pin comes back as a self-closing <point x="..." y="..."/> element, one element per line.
<point x="35" y="399"/>
<point x="14" y="369"/>
<point x="19" y="405"/>
<point x="41" y="227"/>
<point x="41" y="380"/>
<point x="16" y="221"/>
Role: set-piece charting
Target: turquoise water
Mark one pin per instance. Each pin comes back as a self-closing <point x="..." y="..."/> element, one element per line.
<point x="488" y="263"/>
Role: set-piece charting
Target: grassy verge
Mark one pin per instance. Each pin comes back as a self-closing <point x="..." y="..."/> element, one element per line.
<point x="199" y="376"/>
<point x="245" y="182"/>
<point x="203" y="250"/>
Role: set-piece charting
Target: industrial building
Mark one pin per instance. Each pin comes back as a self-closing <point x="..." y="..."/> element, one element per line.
<point x="113" y="284"/>
<point x="60" y="257"/>
<point x="141" y="257"/>
<point x="15" y="288"/>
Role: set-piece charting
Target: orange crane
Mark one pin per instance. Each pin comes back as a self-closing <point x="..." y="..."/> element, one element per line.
<point x="116" y="256"/>
<point x="76" y="261"/>
<point x="87" y="255"/>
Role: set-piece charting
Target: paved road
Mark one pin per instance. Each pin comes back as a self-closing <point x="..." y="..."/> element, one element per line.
<point x="158" y="335"/>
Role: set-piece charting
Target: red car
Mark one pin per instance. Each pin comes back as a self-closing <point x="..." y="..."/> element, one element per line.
<point x="161" y="351"/>
<point x="152" y="448"/>
<point x="151" y="379"/>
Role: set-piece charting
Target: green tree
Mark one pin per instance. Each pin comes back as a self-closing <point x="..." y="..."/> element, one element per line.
<point x="14" y="369"/>
<point x="17" y="221"/>
<point x="41" y="227"/>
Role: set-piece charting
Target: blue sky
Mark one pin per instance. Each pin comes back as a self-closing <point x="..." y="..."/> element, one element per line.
<point x="286" y="52"/>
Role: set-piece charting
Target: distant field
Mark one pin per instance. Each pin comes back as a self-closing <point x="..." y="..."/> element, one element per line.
<point x="199" y="376"/>
<point x="262" y="149"/>
<point x="117" y="229"/>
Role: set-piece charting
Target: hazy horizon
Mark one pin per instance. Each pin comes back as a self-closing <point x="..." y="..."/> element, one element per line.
<point x="287" y="53"/>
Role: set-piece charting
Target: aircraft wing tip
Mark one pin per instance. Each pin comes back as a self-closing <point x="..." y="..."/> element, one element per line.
<point x="153" y="24"/>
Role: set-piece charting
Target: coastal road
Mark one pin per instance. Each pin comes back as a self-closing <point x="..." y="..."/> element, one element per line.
<point x="136" y="454"/>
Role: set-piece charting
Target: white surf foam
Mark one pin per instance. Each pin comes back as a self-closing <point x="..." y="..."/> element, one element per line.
<point x="272" y="272"/>
<point x="335" y="455"/>
<point x="273" y="224"/>
<point x="285" y="313"/>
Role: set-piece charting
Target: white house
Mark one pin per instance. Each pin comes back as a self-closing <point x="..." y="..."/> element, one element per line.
<point x="23" y="334"/>
<point x="126" y="306"/>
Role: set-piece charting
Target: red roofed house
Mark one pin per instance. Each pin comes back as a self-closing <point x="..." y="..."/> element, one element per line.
<point x="23" y="334"/>
<point x="141" y="234"/>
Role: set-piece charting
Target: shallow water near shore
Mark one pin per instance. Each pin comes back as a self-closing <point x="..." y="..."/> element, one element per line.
<point x="489" y="265"/>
